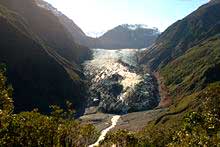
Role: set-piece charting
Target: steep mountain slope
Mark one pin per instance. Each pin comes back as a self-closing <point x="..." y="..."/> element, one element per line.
<point x="76" y="32"/>
<point x="48" y="27"/>
<point x="128" y="36"/>
<point x="197" y="68"/>
<point x="182" y="35"/>
<point x="187" y="55"/>
<point x="37" y="51"/>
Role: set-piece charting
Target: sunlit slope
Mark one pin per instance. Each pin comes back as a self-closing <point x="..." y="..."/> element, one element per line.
<point x="40" y="75"/>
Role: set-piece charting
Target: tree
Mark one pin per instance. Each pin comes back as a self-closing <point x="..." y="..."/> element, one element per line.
<point x="35" y="129"/>
<point x="6" y="102"/>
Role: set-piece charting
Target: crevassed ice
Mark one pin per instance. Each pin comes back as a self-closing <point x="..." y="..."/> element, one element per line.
<point x="106" y="63"/>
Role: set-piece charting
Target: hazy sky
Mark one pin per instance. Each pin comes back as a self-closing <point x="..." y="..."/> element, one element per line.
<point x="102" y="15"/>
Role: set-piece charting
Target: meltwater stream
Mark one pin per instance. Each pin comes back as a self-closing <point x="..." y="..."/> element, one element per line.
<point x="115" y="83"/>
<point x="114" y="121"/>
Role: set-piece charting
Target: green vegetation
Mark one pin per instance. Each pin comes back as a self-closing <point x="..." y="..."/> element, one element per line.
<point x="202" y="128"/>
<point x="34" y="129"/>
<point x="194" y="127"/>
<point x="198" y="67"/>
<point x="6" y="106"/>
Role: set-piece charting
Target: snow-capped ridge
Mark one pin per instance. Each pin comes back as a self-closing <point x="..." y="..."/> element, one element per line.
<point x="138" y="26"/>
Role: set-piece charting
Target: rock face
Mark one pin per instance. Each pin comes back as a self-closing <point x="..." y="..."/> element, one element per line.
<point x="42" y="59"/>
<point x="128" y="36"/>
<point x="115" y="86"/>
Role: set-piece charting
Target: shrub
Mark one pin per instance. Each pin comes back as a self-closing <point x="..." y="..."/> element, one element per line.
<point x="35" y="129"/>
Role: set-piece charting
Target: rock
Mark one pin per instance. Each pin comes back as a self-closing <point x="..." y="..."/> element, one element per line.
<point x="115" y="77"/>
<point x="115" y="89"/>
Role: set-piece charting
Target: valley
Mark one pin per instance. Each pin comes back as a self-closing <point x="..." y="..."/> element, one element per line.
<point x="133" y="85"/>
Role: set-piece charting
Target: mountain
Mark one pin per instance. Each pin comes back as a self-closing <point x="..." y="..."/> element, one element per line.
<point x="122" y="36"/>
<point x="74" y="30"/>
<point x="187" y="53"/>
<point x="128" y="36"/>
<point x="183" y="35"/>
<point x="42" y="58"/>
<point x="48" y="27"/>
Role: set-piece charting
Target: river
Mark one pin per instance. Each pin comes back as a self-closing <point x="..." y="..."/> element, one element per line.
<point x="114" y="121"/>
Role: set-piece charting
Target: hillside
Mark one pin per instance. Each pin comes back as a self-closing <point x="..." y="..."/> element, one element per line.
<point x="194" y="65"/>
<point x="42" y="58"/>
<point x="197" y="68"/>
<point x="48" y="27"/>
<point x="193" y="61"/>
<point x="75" y="31"/>
<point x="193" y="82"/>
<point x="182" y="35"/>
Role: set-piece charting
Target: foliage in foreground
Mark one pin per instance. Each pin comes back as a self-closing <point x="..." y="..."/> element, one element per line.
<point x="197" y="128"/>
<point x="34" y="129"/>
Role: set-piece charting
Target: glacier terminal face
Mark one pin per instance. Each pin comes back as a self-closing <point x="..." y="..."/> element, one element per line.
<point x="115" y="84"/>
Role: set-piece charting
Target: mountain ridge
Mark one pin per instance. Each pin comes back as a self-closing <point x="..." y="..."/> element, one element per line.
<point x="133" y="36"/>
<point x="128" y="36"/>
<point x="41" y="74"/>
<point x="183" y="34"/>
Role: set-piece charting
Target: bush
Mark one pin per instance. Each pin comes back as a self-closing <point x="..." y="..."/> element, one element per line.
<point x="35" y="129"/>
<point x="121" y="138"/>
<point x="6" y="102"/>
<point x="202" y="128"/>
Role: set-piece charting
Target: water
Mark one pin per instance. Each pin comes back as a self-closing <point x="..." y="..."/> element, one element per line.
<point x="114" y="121"/>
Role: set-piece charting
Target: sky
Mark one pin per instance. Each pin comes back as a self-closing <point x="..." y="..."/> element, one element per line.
<point x="94" y="16"/>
